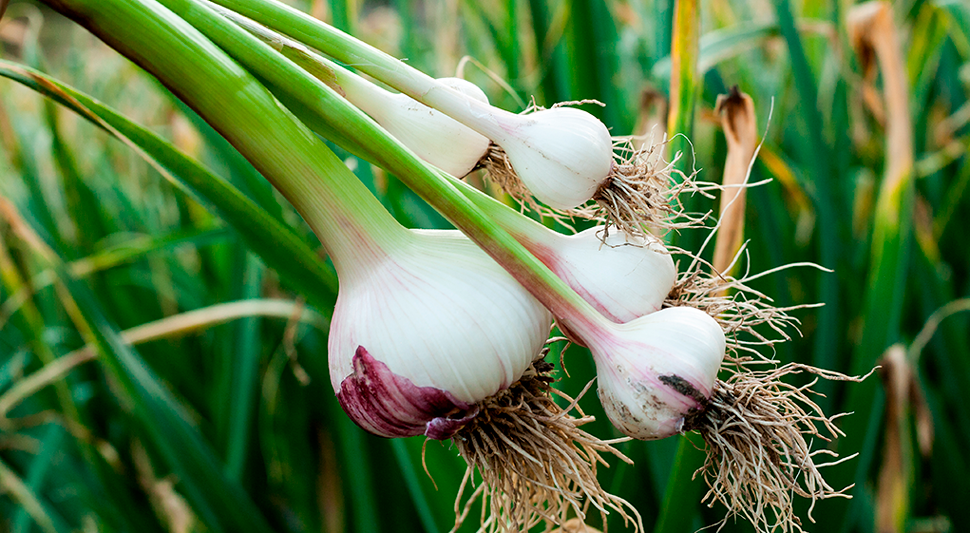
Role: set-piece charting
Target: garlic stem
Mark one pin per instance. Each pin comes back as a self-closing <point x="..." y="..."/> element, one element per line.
<point x="349" y="121"/>
<point x="353" y="225"/>
<point x="563" y="155"/>
<point x="433" y="136"/>
<point x="581" y="260"/>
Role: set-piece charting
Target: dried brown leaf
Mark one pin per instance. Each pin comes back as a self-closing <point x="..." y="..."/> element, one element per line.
<point x="872" y="33"/>
<point x="741" y="132"/>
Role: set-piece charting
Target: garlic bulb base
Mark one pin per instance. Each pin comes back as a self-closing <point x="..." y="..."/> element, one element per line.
<point x="386" y="404"/>
<point x="641" y="192"/>
<point x="652" y="415"/>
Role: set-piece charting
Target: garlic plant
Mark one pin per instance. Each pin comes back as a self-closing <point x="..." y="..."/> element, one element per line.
<point x="563" y="155"/>
<point x="431" y="135"/>
<point x="656" y="373"/>
<point x="732" y="426"/>
<point x="622" y="276"/>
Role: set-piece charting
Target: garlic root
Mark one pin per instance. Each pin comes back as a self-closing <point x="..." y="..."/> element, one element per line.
<point x="534" y="461"/>
<point x="755" y="428"/>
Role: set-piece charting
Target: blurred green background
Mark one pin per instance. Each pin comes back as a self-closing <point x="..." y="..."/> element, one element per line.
<point x="92" y="238"/>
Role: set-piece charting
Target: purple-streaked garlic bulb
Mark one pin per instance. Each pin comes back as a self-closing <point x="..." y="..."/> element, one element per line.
<point x="654" y="373"/>
<point x="419" y="338"/>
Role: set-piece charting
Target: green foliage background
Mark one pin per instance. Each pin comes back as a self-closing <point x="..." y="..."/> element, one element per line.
<point x="94" y="241"/>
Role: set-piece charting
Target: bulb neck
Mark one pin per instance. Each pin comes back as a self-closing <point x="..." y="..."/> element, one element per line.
<point x="352" y="225"/>
<point x="363" y="93"/>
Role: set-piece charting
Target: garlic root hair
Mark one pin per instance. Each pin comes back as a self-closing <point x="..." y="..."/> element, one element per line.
<point x="534" y="462"/>
<point x="755" y="429"/>
<point x="642" y="192"/>
<point x="737" y="307"/>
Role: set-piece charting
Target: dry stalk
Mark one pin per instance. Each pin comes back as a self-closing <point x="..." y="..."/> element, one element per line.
<point x="534" y="462"/>
<point x="894" y="477"/>
<point x="741" y="132"/>
<point x="758" y="432"/>
<point x="872" y="33"/>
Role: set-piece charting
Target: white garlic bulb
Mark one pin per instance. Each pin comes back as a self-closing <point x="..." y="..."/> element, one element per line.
<point x="657" y="371"/>
<point x="431" y="135"/>
<point x="422" y="336"/>
<point x="563" y="154"/>
<point x="623" y="277"/>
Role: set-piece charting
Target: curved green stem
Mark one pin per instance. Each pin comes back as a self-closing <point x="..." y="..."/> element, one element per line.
<point x="351" y="223"/>
<point x="361" y="91"/>
<point x="472" y="113"/>
<point x="351" y="123"/>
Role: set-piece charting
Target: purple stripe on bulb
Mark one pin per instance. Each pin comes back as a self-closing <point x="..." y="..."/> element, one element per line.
<point x="389" y="405"/>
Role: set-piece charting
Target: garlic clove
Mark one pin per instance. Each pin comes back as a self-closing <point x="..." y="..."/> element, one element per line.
<point x="561" y="154"/>
<point x="448" y="324"/>
<point x="655" y="372"/>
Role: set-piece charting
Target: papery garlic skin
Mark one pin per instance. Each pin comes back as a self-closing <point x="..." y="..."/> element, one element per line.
<point x="450" y="326"/>
<point x="563" y="154"/>
<point x="623" y="277"/>
<point x="655" y="372"/>
<point x="431" y="135"/>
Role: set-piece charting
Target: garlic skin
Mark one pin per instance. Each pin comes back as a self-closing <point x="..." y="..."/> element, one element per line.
<point x="562" y="155"/>
<point x="431" y="135"/>
<point x="655" y="372"/>
<point x="623" y="277"/>
<point x="425" y="334"/>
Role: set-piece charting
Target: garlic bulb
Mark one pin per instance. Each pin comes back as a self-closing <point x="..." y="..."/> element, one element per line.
<point x="657" y="371"/>
<point x="623" y="277"/>
<point x="562" y="155"/>
<point x="431" y="135"/>
<point x="422" y="336"/>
